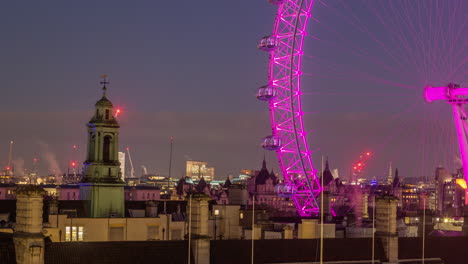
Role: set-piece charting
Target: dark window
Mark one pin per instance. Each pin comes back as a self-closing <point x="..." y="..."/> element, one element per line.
<point x="106" y="149"/>
<point x="92" y="143"/>
<point x="107" y="114"/>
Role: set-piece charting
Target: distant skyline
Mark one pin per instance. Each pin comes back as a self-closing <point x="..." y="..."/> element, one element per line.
<point x="190" y="70"/>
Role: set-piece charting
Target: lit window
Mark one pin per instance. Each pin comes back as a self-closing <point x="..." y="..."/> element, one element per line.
<point x="80" y="233"/>
<point x="67" y="233"/>
<point x="73" y="233"/>
<point x="216" y="212"/>
<point x="241" y="215"/>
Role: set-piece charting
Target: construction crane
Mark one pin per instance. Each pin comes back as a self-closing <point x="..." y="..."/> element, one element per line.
<point x="132" y="171"/>
<point x="10" y="156"/>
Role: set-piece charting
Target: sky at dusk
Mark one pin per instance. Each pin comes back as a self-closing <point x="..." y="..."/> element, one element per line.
<point x="190" y="69"/>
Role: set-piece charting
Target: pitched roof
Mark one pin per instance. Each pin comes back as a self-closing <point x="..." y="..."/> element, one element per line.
<point x="327" y="175"/>
<point x="262" y="175"/>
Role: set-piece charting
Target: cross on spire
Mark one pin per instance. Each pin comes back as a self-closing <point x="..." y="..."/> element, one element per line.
<point x="104" y="82"/>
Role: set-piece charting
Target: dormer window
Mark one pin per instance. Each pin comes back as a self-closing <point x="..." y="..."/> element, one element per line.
<point x="107" y="114"/>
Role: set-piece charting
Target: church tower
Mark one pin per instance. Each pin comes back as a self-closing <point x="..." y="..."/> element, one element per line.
<point x="101" y="184"/>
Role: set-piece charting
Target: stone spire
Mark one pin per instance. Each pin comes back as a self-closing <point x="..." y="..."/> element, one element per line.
<point x="102" y="183"/>
<point x="264" y="167"/>
<point x="102" y="161"/>
<point x="227" y="183"/>
<point x="396" y="180"/>
<point x="328" y="177"/>
<point x="263" y="174"/>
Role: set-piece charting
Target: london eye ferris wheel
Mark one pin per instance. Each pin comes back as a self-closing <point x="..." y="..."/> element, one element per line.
<point x="283" y="94"/>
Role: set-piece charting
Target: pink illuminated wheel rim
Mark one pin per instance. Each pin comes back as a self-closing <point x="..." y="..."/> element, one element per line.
<point x="285" y="45"/>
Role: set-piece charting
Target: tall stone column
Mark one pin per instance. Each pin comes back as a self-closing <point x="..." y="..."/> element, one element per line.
<point x="200" y="240"/>
<point x="365" y="205"/>
<point x="386" y="225"/>
<point x="28" y="237"/>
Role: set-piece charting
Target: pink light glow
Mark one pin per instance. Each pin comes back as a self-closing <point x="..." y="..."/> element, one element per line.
<point x="117" y="112"/>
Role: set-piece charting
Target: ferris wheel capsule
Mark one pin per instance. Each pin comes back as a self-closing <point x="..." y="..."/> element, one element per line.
<point x="268" y="43"/>
<point x="272" y="143"/>
<point x="266" y="93"/>
<point x="285" y="190"/>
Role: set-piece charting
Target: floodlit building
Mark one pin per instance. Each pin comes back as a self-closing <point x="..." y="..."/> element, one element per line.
<point x="198" y="169"/>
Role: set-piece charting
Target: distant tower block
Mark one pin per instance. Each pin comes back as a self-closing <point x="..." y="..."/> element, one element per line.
<point x="122" y="165"/>
<point x="199" y="169"/>
<point x="390" y="176"/>
<point x="102" y="183"/>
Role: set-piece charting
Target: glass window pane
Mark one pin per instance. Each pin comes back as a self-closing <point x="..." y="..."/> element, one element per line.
<point x="74" y="236"/>
<point x="80" y="233"/>
<point x="67" y="233"/>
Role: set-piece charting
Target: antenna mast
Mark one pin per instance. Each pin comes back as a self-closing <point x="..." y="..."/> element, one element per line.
<point x="170" y="164"/>
<point x="10" y="157"/>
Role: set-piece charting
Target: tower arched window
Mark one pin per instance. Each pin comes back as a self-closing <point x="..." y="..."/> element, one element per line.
<point x="107" y="114"/>
<point x="106" y="148"/>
